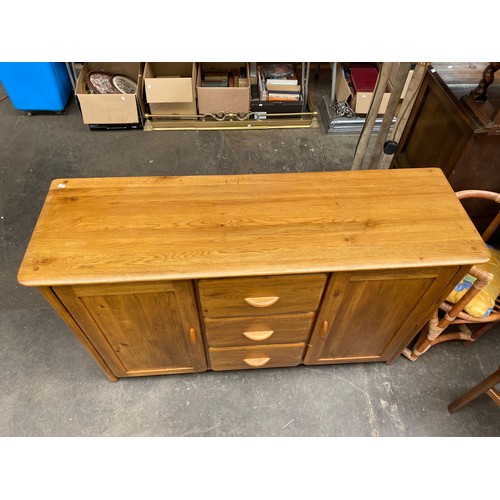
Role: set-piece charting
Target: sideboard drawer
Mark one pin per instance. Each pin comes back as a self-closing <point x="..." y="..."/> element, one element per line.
<point x="243" y="358"/>
<point x="259" y="296"/>
<point x="281" y="329"/>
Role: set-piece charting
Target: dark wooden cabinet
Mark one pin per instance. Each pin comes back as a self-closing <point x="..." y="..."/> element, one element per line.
<point x="447" y="129"/>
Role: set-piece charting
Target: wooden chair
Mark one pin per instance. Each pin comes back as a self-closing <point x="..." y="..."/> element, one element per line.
<point x="453" y="314"/>
<point x="487" y="386"/>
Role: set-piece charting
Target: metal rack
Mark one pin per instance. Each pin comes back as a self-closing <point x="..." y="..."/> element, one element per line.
<point x="341" y="123"/>
<point x="234" y="121"/>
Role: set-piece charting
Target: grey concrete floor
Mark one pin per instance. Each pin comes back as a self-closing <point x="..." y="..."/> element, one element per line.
<point x="51" y="387"/>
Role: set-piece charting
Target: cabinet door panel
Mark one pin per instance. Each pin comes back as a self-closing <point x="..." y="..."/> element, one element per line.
<point x="140" y="330"/>
<point x="365" y="316"/>
<point x="436" y="131"/>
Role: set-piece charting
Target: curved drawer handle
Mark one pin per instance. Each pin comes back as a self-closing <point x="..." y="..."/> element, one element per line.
<point x="256" y="362"/>
<point x="261" y="301"/>
<point x="258" y="335"/>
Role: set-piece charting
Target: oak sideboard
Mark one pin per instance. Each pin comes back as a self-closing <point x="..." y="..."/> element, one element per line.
<point x="164" y="275"/>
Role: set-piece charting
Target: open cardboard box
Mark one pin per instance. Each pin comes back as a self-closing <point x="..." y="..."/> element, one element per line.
<point x="170" y="87"/>
<point x="361" y="101"/>
<point x="108" y="109"/>
<point x="222" y="99"/>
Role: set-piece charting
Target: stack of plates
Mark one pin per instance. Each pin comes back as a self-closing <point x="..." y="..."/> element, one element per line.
<point x="100" y="82"/>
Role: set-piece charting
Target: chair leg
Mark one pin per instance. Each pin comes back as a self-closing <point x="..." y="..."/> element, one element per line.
<point x="429" y="333"/>
<point x="485" y="386"/>
<point x="480" y="331"/>
<point x="435" y="326"/>
<point x="408" y="353"/>
<point x="463" y="334"/>
<point x="494" y="395"/>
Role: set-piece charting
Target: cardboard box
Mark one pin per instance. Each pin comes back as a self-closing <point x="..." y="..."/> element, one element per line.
<point x="109" y="109"/>
<point x="179" y="109"/>
<point x="361" y="101"/>
<point x="170" y="87"/>
<point x="222" y="99"/>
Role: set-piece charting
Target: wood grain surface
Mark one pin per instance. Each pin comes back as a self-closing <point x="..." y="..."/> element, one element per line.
<point x="118" y="230"/>
<point x="141" y="331"/>
<point x="366" y="316"/>
<point x="241" y="358"/>
<point x="221" y="298"/>
<point x="285" y="328"/>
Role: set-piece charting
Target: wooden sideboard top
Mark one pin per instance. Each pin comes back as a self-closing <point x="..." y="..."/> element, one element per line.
<point x="119" y="229"/>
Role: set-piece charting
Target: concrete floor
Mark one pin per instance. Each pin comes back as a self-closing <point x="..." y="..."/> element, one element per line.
<point x="51" y="387"/>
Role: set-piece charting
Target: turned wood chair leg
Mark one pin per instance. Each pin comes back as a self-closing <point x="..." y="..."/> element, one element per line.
<point x="483" y="387"/>
<point x="479" y="93"/>
<point x="435" y="326"/>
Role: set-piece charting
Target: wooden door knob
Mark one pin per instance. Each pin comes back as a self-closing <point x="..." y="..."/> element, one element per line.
<point x="192" y="335"/>
<point x="324" y="329"/>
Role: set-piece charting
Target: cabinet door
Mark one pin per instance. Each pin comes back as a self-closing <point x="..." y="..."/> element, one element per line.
<point x="140" y="328"/>
<point x="437" y="129"/>
<point x="442" y="132"/>
<point x="372" y="315"/>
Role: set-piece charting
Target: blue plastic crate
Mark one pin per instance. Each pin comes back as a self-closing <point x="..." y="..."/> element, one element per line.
<point x="36" y="86"/>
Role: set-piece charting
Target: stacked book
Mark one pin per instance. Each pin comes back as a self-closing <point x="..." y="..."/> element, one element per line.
<point x="215" y="79"/>
<point x="236" y="77"/>
<point x="364" y="77"/>
<point x="278" y="82"/>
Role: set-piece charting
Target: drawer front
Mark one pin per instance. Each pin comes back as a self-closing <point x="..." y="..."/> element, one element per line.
<point x="261" y="296"/>
<point x="245" y="358"/>
<point x="282" y="329"/>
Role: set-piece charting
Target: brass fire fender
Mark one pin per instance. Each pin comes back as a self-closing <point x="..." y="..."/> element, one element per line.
<point x="233" y="121"/>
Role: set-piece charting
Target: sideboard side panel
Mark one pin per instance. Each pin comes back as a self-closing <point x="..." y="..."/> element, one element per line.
<point x="64" y="314"/>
